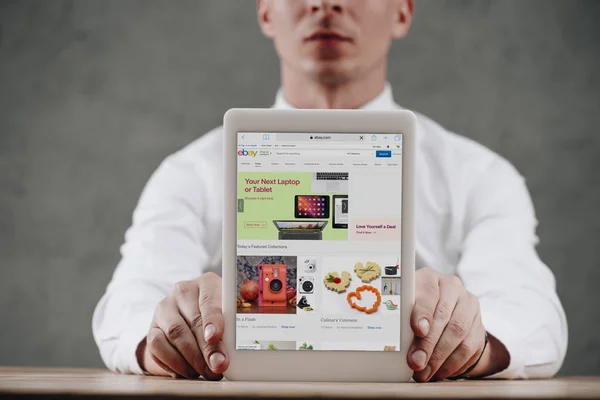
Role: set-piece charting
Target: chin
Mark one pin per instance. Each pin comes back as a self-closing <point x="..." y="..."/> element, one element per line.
<point x="330" y="72"/>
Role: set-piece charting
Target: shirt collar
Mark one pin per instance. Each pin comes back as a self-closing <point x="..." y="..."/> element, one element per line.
<point x="384" y="101"/>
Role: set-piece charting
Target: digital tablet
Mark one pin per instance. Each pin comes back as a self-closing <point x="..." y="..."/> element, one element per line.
<point x="311" y="206"/>
<point x="309" y="292"/>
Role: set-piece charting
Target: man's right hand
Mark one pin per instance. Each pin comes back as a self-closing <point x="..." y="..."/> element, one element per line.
<point x="184" y="339"/>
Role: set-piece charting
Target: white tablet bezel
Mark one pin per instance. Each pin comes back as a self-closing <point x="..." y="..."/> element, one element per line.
<point x="339" y="366"/>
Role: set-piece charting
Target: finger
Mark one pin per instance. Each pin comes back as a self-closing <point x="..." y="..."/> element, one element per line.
<point x="211" y="344"/>
<point x="210" y="307"/>
<point x="185" y="294"/>
<point x="466" y="349"/>
<point x="166" y="355"/>
<point x="458" y="329"/>
<point x="178" y="333"/>
<point x="422" y="348"/>
<point x="164" y="366"/>
<point x="215" y="355"/>
<point x="209" y="375"/>
<point x="427" y="295"/>
<point x="151" y="364"/>
<point x="467" y="352"/>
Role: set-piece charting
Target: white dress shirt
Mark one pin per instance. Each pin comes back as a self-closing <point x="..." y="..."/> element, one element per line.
<point x="474" y="219"/>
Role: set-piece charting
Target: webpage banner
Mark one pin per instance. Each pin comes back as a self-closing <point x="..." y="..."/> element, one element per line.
<point x="289" y="206"/>
<point x="302" y="206"/>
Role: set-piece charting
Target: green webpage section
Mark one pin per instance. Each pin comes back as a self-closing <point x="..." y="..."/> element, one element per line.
<point x="265" y="197"/>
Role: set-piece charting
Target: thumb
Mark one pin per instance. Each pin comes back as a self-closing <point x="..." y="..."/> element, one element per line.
<point x="210" y="307"/>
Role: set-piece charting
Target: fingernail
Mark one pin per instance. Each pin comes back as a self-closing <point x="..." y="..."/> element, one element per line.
<point x="418" y="358"/>
<point x="216" y="359"/>
<point x="209" y="331"/>
<point x="424" y="326"/>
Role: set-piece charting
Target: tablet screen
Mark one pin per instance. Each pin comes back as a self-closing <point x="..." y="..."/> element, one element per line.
<point x="311" y="206"/>
<point x="318" y="241"/>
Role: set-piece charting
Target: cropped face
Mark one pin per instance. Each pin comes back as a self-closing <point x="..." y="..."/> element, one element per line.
<point x="334" y="40"/>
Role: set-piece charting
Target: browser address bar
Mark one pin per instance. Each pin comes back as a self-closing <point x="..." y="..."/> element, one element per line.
<point x="325" y="146"/>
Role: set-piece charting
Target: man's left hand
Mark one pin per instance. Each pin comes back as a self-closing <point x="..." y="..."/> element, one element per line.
<point x="449" y="334"/>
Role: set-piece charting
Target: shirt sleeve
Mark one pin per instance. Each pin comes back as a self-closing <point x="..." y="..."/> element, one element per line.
<point x="499" y="264"/>
<point x="164" y="245"/>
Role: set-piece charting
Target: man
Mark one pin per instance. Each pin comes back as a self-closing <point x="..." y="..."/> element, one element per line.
<point x="479" y="276"/>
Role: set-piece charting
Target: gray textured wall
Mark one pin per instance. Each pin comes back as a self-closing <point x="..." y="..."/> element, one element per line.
<point x="94" y="93"/>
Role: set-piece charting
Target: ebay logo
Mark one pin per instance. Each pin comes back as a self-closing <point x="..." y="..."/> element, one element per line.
<point x="247" y="153"/>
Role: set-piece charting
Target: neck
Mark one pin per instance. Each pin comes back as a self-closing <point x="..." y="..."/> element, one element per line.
<point x="302" y="90"/>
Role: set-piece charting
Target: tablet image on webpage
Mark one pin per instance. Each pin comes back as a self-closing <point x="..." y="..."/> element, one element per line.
<point x="318" y="241"/>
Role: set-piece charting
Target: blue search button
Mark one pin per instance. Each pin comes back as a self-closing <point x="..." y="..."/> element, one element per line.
<point x="383" y="153"/>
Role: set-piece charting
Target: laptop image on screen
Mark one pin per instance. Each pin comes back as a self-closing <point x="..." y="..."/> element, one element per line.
<point x="300" y="230"/>
<point x="330" y="182"/>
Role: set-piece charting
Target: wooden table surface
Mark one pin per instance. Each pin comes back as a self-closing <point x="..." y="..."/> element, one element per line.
<point x="92" y="383"/>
